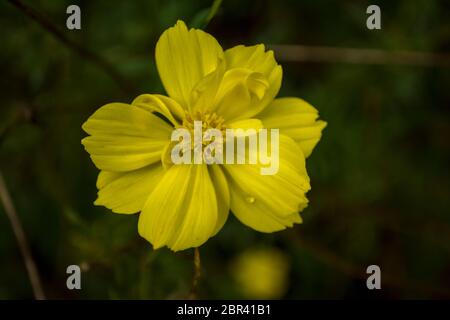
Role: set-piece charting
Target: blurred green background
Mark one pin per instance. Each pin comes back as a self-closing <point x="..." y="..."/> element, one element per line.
<point x="380" y="174"/>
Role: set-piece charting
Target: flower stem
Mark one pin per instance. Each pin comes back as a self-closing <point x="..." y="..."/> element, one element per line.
<point x="197" y="274"/>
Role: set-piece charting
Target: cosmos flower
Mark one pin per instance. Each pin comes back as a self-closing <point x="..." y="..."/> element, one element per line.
<point x="183" y="205"/>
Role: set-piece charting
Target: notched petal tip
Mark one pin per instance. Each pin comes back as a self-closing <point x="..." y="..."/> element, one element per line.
<point x="322" y="124"/>
<point x="83" y="142"/>
<point x="296" y="118"/>
<point x="180" y="24"/>
<point x="183" y="57"/>
<point x="83" y="126"/>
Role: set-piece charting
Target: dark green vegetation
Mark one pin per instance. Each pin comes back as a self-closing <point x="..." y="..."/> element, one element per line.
<point x="380" y="175"/>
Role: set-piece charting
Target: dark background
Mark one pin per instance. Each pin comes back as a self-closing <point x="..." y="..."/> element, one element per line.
<point x="380" y="175"/>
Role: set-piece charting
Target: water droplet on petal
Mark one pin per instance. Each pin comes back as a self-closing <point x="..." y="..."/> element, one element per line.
<point x="250" y="199"/>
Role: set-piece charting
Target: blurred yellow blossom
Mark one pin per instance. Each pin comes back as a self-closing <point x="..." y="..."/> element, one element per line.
<point x="261" y="273"/>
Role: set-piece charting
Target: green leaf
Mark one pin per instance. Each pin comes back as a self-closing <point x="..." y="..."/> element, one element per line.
<point x="203" y="17"/>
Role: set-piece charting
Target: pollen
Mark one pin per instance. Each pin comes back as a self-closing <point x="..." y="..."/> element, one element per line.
<point x="209" y="121"/>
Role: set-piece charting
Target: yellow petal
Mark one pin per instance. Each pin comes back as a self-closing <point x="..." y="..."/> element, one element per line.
<point x="181" y="212"/>
<point x="222" y="194"/>
<point x="269" y="203"/>
<point x="241" y="94"/>
<point x="124" y="137"/>
<point x="205" y="91"/>
<point x="295" y="118"/>
<point x="234" y="94"/>
<point x="165" y="106"/>
<point x="127" y="192"/>
<point x="258" y="61"/>
<point x="184" y="57"/>
<point x="246" y="124"/>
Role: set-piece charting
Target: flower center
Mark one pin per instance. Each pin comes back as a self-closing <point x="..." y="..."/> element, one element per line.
<point x="209" y="121"/>
<point x="198" y="137"/>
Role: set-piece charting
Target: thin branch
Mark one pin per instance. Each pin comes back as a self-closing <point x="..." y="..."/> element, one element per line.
<point x="352" y="270"/>
<point x="80" y="50"/>
<point x="21" y="240"/>
<point x="197" y="274"/>
<point x="300" y="53"/>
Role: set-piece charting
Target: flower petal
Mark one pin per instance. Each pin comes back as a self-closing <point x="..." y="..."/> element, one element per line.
<point x="241" y="94"/>
<point x="127" y="192"/>
<point x="125" y="137"/>
<point x="258" y="61"/>
<point x="234" y="94"/>
<point x="222" y="194"/>
<point x="163" y="105"/>
<point x="269" y="203"/>
<point x="184" y="57"/>
<point x="297" y="119"/>
<point x="246" y="124"/>
<point x="181" y="212"/>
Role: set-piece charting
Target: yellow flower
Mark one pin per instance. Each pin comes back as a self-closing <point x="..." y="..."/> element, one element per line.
<point x="182" y="206"/>
<point x="261" y="273"/>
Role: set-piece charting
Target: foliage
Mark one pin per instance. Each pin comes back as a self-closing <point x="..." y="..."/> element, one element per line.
<point x="380" y="177"/>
